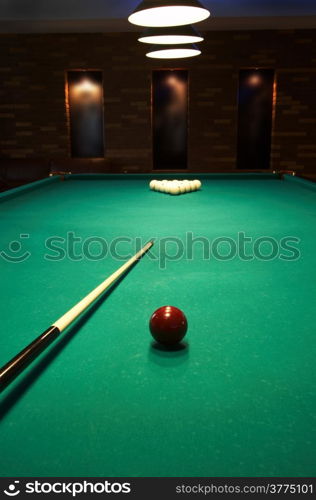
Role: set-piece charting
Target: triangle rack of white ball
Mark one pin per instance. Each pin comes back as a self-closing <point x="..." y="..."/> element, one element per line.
<point x="175" y="186"/>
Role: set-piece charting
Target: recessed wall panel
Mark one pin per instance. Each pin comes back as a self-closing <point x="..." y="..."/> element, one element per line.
<point x="255" y="112"/>
<point x="85" y="102"/>
<point x="170" y="119"/>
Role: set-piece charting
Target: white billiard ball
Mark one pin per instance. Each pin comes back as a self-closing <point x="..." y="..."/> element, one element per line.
<point x="167" y="187"/>
<point x="198" y="184"/>
<point x="187" y="186"/>
<point x="152" y="184"/>
<point x="182" y="188"/>
<point x="158" y="186"/>
<point x="175" y="189"/>
<point x="170" y="187"/>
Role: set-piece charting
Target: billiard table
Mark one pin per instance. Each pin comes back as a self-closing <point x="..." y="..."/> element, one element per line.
<point x="237" y="398"/>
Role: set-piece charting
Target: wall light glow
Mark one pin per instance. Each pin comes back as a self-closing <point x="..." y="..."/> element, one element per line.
<point x="86" y="86"/>
<point x="255" y="80"/>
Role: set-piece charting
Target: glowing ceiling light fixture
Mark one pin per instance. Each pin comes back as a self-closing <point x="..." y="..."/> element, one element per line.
<point x="173" y="52"/>
<point x="160" y="13"/>
<point x="171" y="35"/>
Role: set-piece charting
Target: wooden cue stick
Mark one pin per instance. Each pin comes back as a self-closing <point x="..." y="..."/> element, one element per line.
<point x="17" y="364"/>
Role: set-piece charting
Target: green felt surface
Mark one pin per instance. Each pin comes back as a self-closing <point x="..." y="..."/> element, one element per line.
<point x="239" y="400"/>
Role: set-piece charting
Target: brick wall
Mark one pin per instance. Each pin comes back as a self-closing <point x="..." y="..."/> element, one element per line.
<point x="33" y="118"/>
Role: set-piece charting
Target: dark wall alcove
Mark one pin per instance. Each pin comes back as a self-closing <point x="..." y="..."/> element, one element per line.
<point x="85" y="100"/>
<point x="255" y="108"/>
<point x="170" y="119"/>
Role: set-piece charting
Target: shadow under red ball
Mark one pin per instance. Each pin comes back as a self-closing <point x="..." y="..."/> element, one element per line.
<point x="168" y="325"/>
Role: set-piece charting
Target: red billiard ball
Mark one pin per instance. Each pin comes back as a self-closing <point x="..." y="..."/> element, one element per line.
<point x="168" y="325"/>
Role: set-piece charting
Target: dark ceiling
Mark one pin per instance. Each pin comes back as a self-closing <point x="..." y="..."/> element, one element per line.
<point x="107" y="15"/>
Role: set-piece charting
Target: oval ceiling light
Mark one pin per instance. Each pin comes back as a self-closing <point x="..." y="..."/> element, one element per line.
<point x="172" y="35"/>
<point x="173" y="52"/>
<point x="159" y="13"/>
